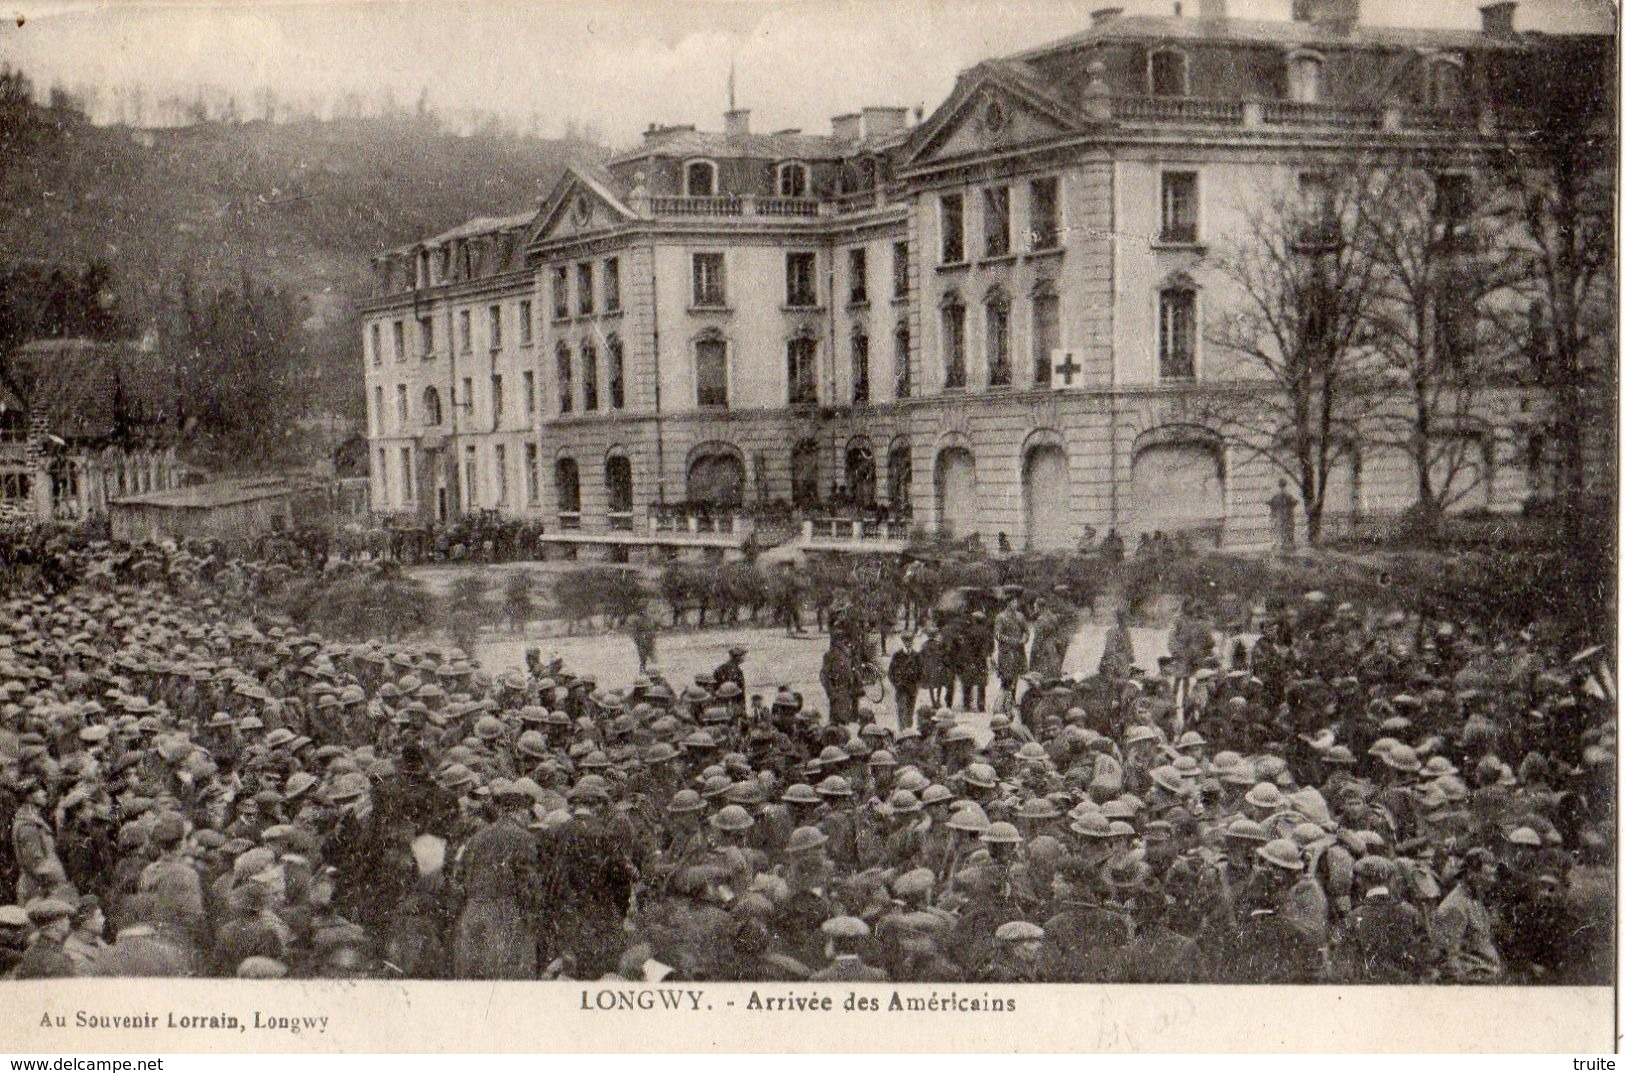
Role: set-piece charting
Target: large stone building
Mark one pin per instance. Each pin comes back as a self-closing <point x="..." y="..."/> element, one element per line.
<point x="989" y="319"/>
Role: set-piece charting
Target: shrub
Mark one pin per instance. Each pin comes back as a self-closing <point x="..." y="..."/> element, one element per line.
<point x="583" y="595"/>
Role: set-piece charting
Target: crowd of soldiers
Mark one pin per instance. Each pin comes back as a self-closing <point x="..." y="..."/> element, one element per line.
<point x="1355" y="796"/>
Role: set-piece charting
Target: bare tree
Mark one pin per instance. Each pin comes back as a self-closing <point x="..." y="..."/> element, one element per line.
<point x="1554" y="160"/>
<point x="1441" y="282"/>
<point x="1304" y="376"/>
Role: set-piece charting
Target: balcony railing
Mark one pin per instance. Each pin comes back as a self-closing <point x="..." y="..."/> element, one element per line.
<point x="786" y="206"/>
<point x="697" y="206"/>
<point x="620" y="521"/>
<point x="1320" y="115"/>
<point x="569" y="519"/>
<point x="671" y="522"/>
<point x="1178" y="109"/>
<point x="853" y="530"/>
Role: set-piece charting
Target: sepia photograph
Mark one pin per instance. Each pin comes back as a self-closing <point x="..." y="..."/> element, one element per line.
<point x="923" y="492"/>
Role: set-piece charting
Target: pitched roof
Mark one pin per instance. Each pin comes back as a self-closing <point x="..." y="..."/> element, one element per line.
<point x="216" y="494"/>
<point x="1271" y="32"/>
<point x="687" y="142"/>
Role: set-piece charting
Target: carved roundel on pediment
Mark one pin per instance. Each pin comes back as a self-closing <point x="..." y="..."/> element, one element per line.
<point x="995" y="118"/>
<point x="581" y="211"/>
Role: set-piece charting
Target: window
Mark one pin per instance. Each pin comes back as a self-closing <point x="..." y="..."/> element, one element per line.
<point x="584" y="291"/>
<point x="617" y="374"/>
<point x="1046" y="333"/>
<point x="567" y="489"/>
<point x="566" y="392"/>
<point x="792" y="180"/>
<point x="802" y="369"/>
<point x="383" y="475"/>
<point x="530" y="393"/>
<point x="902" y="382"/>
<point x="400" y="404"/>
<point x="953" y="343"/>
<point x="1168" y="73"/>
<point x="500" y="462"/>
<point x="1455" y="324"/>
<point x="1452" y="203"/>
<point x="1444" y="84"/>
<point x="561" y="293"/>
<point x="618" y="483"/>
<point x="496" y="399"/>
<point x="860" y="369"/>
<point x="494" y="315"/>
<point x="996" y="221"/>
<point x="378" y="407"/>
<point x="998" y="340"/>
<point x="398" y="330"/>
<point x="1303" y="79"/>
<point x="1045" y="214"/>
<point x="858" y="275"/>
<point x="426" y="338"/>
<point x="589" y="376"/>
<point x="377" y="345"/>
<point x="700" y="179"/>
<point x="710" y="288"/>
<point x="408" y="492"/>
<point x="612" y="285"/>
<point x="953" y="229"/>
<point x="471" y="476"/>
<point x="525" y="328"/>
<point x="801" y="279"/>
<point x="533" y="476"/>
<point x="1176" y="343"/>
<point x="1319" y="225"/>
<point x="468" y="395"/>
<point x="1179" y="206"/>
<point x="711" y="372"/>
<point x="899" y="270"/>
<point x="465" y="330"/>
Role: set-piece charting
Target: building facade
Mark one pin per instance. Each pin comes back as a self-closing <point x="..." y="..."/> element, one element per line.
<point x="993" y="319"/>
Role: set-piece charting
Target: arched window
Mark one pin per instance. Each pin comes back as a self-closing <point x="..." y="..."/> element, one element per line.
<point x="1303" y="76"/>
<point x="792" y="179"/>
<point x="997" y="309"/>
<point x="566" y="388"/>
<point x="860" y="472"/>
<point x="899" y="474"/>
<point x="589" y="376"/>
<point x="567" y="490"/>
<point x="1445" y="83"/>
<point x="431" y="407"/>
<point x="700" y="178"/>
<point x="953" y="340"/>
<point x="616" y="372"/>
<point x="1168" y="73"/>
<point x="711" y="370"/>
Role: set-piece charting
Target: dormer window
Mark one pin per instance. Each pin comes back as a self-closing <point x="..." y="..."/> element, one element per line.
<point x="1303" y="77"/>
<point x="792" y="179"/>
<point x="700" y="178"/>
<point x="1444" y="90"/>
<point x="1169" y="73"/>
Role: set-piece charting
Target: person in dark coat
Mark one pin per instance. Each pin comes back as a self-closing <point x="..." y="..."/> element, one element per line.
<point x="1086" y="940"/>
<point x="495" y="936"/>
<point x="904" y="674"/>
<point x="972" y="650"/>
<point x="732" y="669"/>
<point x="839" y="677"/>
<point x="45" y="959"/>
<point x="935" y="676"/>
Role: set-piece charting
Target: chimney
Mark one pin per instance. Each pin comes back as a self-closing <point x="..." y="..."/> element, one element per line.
<point x="1498" y="18"/>
<point x="1103" y="15"/>
<point x="1332" y="16"/>
<point x="736" y="122"/>
<point x="848" y="127"/>
<point x="1213" y="11"/>
<point x="878" y="121"/>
